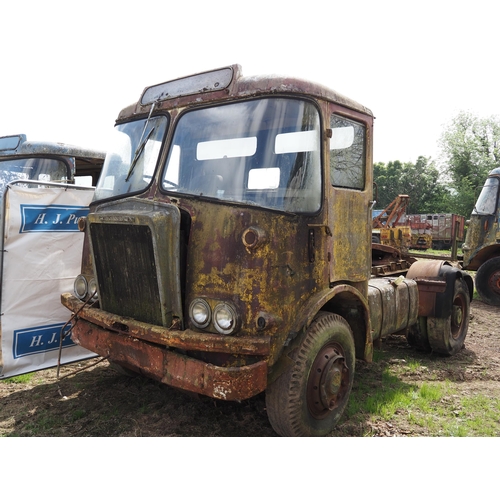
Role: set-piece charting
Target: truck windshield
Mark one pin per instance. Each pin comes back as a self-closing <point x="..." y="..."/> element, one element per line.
<point x="131" y="159"/>
<point x="487" y="202"/>
<point x="35" y="169"/>
<point x="264" y="152"/>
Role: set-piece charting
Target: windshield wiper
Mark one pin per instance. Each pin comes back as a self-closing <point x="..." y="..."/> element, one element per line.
<point x="138" y="153"/>
<point x="142" y="143"/>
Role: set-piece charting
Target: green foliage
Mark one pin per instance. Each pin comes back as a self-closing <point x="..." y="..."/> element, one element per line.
<point x="463" y="198"/>
<point x="471" y="149"/>
<point x="471" y="145"/>
<point x="419" y="180"/>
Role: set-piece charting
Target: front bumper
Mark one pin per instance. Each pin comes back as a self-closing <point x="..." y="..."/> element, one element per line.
<point x="148" y="349"/>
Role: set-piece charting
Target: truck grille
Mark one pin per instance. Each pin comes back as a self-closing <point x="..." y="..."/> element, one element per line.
<point x="135" y="250"/>
<point x="126" y="271"/>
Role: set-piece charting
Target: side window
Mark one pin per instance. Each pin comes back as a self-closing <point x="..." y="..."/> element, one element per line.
<point x="347" y="153"/>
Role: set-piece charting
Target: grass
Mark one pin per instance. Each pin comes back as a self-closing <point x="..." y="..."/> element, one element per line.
<point x="78" y="414"/>
<point x="436" y="407"/>
<point x="43" y="424"/>
<point x="395" y="396"/>
<point x="19" y="379"/>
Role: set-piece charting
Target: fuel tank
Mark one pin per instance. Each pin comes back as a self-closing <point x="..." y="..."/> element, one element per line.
<point x="393" y="305"/>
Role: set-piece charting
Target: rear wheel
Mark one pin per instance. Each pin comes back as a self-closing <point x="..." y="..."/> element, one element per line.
<point x="417" y="335"/>
<point x="447" y="335"/>
<point x="309" y="398"/>
<point x="488" y="281"/>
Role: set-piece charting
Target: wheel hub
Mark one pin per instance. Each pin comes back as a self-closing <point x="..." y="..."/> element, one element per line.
<point x="494" y="282"/>
<point x="328" y="381"/>
<point x="457" y="316"/>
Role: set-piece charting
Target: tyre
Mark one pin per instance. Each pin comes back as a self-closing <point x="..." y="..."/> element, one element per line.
<point x="447" y="335"/>
<point x="488" y="281"/>
<point x="308" y="399"/>
<point x="416" y="335"/>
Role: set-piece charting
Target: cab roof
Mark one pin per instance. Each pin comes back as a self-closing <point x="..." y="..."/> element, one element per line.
<point x="228" y="82"/>
<point x="17" y="145"/>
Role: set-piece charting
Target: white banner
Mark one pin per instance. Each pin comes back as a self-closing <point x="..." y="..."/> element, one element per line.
<point x="41" y="259"/>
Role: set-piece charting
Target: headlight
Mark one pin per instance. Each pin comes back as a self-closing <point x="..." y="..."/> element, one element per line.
<point x="93" y="289"/>
<point x="81" y="287"/>
<point x="225" y="319"/>
<point x="199" y="312"/>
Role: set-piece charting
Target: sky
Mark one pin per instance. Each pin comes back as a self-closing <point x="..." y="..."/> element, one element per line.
<point x="68" y="68"/>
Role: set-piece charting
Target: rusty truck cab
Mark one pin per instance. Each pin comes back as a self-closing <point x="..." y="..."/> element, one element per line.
<point x="481" y="248"/>
<point x="229" y="213"/>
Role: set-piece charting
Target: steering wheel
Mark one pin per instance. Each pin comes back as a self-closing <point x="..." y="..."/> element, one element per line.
<point x="173" y="184"/>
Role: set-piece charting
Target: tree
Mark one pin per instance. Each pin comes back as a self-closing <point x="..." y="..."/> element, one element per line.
<point x="420" y="180"/>
<point x="386" y="178"/>
<point x="471" y="148"/>
<point x="461" y="198"/>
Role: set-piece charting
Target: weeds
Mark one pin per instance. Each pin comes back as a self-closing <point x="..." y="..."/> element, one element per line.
<point x="433" y="405"/>
<point x="19" y="379"/>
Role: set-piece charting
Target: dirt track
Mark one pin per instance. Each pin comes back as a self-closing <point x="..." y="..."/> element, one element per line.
<point x="100" y="402"/>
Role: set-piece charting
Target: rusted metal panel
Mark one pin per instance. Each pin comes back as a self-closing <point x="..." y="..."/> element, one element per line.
<point x="434" y="280"/>
<point x="482" y="240"/>
<point x="231" y="383"/>
<point x="255" y="276"/>
<point x="426" y="274"/>
<point x="245" y="87"/>
<point x="128" y="351"/>
<point x="428" y="291"/>
<point x="171" y="367"/>
<point x="426" y="268"/>
<point x="351" y="236"/>
<point x="186" y="339"/>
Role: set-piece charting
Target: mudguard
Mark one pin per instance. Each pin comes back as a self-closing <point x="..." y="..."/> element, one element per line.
<point x="436" y="286"/>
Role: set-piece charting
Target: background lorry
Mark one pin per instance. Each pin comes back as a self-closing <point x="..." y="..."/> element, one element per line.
<point x="444" y="228"/>
<point x="228" y="249"/>
<point x="481" y="249"/>
<point x="44" y="188"/>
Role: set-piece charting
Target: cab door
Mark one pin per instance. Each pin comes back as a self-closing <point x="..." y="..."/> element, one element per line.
<point x="350" y="179"/>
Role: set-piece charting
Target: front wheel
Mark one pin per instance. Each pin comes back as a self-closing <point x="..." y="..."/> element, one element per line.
<point x="309" y="398"/>
<point x="488" y="281"/>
